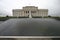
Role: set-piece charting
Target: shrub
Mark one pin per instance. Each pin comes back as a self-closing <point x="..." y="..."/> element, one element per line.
<point x="45" y="17"/>
<point x="23" y="17"/>
<point x="36" y="16"/>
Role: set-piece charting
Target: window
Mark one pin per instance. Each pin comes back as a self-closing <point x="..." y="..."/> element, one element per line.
<point x="26" y="11"/>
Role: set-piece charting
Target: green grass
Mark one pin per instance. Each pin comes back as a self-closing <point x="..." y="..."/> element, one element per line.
<point x="57" y="18"/>
<point x="5" y="18"/>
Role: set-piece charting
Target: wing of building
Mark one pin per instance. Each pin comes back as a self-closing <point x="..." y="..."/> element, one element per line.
<point x="30" y="11"/>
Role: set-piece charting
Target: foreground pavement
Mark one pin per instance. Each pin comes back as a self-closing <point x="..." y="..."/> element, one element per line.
<point x="1" y="22"/>
<point x="30" y="27"/>
<point x="29" y="38"/>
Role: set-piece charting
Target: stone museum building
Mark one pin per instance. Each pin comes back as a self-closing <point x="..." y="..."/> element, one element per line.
<point x="30" y="11"/>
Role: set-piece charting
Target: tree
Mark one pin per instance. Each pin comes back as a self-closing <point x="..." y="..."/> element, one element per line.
<point x="7" y="16"/>
<point x="49" y="16"/>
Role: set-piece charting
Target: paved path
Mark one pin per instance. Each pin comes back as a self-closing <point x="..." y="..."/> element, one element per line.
<point x="1" y="22"/>
<point x="26" y="39"/>
<point x="30" y="27"/>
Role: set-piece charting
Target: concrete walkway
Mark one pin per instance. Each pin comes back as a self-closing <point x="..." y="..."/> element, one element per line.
<point x="30" y="27"/>
<point x="1" y="22"/>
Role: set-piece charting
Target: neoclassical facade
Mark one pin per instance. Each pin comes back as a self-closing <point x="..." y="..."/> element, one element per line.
<point x="30" y="11"/>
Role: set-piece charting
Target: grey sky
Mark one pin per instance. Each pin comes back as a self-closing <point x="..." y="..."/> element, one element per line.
<point x="6" y="6"/>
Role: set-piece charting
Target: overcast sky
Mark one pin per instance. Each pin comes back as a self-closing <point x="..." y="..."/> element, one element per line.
<point x="6" y="6"/>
